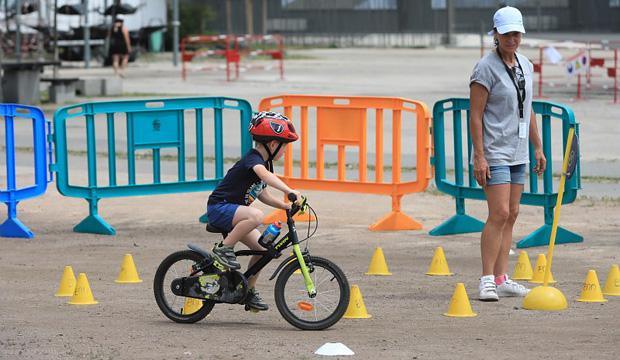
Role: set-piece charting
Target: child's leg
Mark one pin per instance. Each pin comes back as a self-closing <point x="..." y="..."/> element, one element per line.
<point x="245" y="220"/>
<point x="254" y="301"/>
<point x="251" y="241"/>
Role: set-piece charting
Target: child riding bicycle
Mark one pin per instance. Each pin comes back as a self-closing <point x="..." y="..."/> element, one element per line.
<point x="228" y="207"/>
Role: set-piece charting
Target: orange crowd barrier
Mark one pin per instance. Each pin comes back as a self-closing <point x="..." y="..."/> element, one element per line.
<point x="344" y="121"/>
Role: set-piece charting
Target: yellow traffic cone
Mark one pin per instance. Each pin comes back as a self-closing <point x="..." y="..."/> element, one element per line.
<point x="591" y="291"/>
<point x="129" y="273"/>
<point x="439" y="264"/>
<point x="82" y="294"/>
<point x="378" y="266"/>
<point x="612" y="285"/>
<point x="523" y="267"/>
<point x="191" y="306"/>
<point x="459" y="305"/>
<point x="67" y="283"/>
<point x="539" y="271"/>
<point x="356" y="308"/>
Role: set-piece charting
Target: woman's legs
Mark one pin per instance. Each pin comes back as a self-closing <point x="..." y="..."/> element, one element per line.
<point x="115" y="60"/>
<point x="124" y="64"/>
<point x="501" y="262"/>
<point x="498" y="202"/>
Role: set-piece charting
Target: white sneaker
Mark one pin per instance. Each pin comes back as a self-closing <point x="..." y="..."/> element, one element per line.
<point x="488" y="290"/>
<point x="511" y="288"/>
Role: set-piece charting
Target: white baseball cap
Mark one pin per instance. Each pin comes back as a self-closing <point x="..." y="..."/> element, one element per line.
<point x="508" y="19"/>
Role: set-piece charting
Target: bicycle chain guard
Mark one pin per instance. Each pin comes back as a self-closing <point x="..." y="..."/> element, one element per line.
<point x="227" y="287"/>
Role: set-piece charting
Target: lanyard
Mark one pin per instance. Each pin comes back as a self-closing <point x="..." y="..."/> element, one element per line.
<point x="516" y="82"/>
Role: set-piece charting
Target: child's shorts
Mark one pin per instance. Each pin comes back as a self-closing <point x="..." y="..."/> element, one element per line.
<point x="221" y="215"/>
<point x="505" y="174"/>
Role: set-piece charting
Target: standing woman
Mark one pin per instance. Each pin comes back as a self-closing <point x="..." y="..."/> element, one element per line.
<point x="501" y="124"/>
<point x="120" y="47"/>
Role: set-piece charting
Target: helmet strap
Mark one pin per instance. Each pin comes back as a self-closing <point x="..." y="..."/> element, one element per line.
<point x="271" y="155"/>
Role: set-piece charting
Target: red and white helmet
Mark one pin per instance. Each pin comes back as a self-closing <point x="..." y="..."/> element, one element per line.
<point x="266" y="126"/>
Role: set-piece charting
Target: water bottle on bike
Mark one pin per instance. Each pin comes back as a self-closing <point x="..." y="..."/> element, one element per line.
<point x="270" y="234"/>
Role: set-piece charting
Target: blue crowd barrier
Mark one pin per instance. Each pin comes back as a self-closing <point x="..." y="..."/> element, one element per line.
<point x="11" y="113"/>
<point x="151" y="126"/>
<point x="532" y="195"/>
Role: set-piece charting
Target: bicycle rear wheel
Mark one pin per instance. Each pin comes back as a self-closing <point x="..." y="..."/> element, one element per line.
<point x="180" y="309"/>
<point x="320" y="312"/>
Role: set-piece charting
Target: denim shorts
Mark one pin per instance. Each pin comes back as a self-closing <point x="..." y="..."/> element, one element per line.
<point x="505" y="174"/>
<point x="221" y="215"/>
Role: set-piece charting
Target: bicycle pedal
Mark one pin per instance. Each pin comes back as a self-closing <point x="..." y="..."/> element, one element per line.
<point x="252" y="310"/>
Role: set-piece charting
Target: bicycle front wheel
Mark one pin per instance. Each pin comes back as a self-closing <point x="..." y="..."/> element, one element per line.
<point x="320" y="312"/>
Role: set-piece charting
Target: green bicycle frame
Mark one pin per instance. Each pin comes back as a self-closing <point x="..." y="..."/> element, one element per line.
<point x="304" y="270"/>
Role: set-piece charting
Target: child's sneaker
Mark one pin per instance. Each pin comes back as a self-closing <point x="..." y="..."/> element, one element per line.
<point x="254" y="301"/>
<point x="511" y="288"/>
<point x="225" y="255"/>
<point x="488" y="289"/>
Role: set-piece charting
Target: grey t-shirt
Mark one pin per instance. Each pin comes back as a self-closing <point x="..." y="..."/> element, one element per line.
<point x="500" y="121"/>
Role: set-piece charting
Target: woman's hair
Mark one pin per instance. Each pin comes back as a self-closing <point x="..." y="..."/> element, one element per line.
<point x="118" y="20"/>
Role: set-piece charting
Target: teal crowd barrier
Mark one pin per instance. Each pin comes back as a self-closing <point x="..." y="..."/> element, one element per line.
<point x="532" y="195"/>
<point x="148" y="129"/>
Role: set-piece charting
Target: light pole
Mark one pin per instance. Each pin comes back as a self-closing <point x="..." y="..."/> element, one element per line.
<point x="175" y="32"/>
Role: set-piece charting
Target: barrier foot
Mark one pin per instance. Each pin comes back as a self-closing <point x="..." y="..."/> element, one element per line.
<point x="458" y="224"/>
<point x="203" y="218"/>
<point x="94" y="224"/>
<point x="13" y="227"/>
<point x="280" y="215"/>
<point x="540" y="237"/>
<point x="395" y="220"/>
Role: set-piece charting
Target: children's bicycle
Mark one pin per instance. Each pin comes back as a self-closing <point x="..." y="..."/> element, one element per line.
<point x="311" y="292"/>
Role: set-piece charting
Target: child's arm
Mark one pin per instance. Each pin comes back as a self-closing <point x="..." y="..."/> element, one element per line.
<point x="266" y="198"/>
<point x="272" y="180"/>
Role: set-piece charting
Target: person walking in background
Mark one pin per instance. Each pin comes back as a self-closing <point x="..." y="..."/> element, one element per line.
<point x="120" y="47"/>
<point x="501" y="123"/>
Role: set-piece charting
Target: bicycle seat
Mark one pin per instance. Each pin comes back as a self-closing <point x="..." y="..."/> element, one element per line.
<point x="217" y="230"/>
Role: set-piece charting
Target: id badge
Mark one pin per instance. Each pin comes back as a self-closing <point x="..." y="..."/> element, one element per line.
<point x="522" y="130"/>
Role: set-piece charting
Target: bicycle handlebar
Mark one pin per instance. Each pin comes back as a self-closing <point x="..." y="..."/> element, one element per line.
<point x="296" y="207"/>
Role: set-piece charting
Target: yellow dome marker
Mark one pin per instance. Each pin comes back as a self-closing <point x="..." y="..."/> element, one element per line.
<point x="546" y="297"/>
